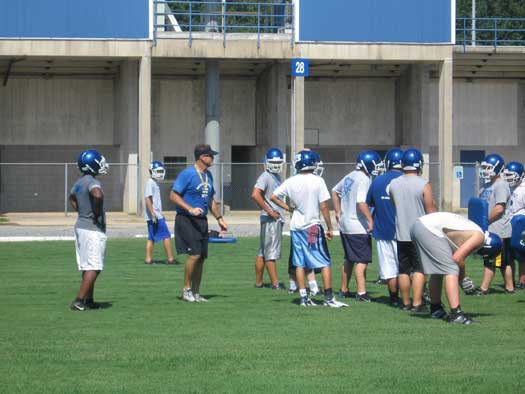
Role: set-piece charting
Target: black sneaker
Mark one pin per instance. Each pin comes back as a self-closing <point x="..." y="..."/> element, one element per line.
<point x="511" y="291"/>
<point x="406" y="307"/>
<point x="363" y="297"/>
<point x="279" y="286"/>
<point x="395" y="302"/>
<point x="78" y="306"/>
<point x="461" y="318"/>
<point x="481" y="292"/>
<point x="520" y="286"/>
<point x="261" y="286"/>
<point x="439" y="314"/>
<point x="345" y="294"/>
<point x="419" y="308"/>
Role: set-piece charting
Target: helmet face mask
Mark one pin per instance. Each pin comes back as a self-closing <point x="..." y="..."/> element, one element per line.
<point x="491" y="167"/>
<point x="274" y="161"/>
<point x="92" y="162"/>
<point x="513" y="173"/>
<point x="491" y="246"/>
<point x="157" y="170"/>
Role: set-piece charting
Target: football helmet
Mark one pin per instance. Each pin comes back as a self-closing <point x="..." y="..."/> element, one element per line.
<point x="274" y="160"/>
<point x="393" y="159"/>
<point x="157" y="170"/>
<point x="319" y="167"/>
<point x="491" y="166"/>
<point x="491" y="246"/>
<point x="412" y="160"/>
<point x="306" y="160"/>
<point x="513" y="173"/>
<point x="370" y="162"/>
<point x="92" y="162"/>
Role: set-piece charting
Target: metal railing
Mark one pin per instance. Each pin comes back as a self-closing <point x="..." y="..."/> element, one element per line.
<point x="225" y="17"/>
<point x="45" y="187"/>
<point x="490" y="31"/>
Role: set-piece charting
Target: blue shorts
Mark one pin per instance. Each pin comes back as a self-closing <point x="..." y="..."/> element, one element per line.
<point x="158" y="232"/>
<point x="309" y="250"/>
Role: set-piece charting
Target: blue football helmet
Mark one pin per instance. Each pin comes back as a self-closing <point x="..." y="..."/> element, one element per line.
<point x="157" y="170"/>
<point x="92" y="162"/>
<point x="491" y="166"/>
<point x="274" y="160"/>
<point x="513" y="173"/>
<point x="393" y="159"/>
<point x="412" y="160"/>
<point x="319" y="167"/>
<point x="306" y="160"/>
<point x="491" y="246"/>
<point x="370" y="162"/>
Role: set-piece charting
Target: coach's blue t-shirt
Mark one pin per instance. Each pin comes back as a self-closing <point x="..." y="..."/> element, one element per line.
<point x="384" y="214"/>
<point x="196" y="190"/>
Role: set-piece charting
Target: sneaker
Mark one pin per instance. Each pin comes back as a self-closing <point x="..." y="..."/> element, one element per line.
<point x="306" y="301"/>
<point x="520" y="286"/>
<point x="187" y="295"/>
<point x="333" y="303"/>
<point x="426" y="297"/>
<point x="345" y="294"/>
<point x="199" y="298"/>
<point x="261" y="286"/>
<point x="511" y="291"/>
<point x="363" y="297"/>
<point x="406" y="307"/>
<point x="395" y="302"/>
<point x="279" y="286"/>
<point x="380" y="281"/>
<point x="419" y="308"/>
<point x="439" y="314"/>
<point x="293" y="291"/>
<point x="461" y="318"/>
<point x="313" y="293"/>
<point x="78" y="306"/>
<point x="481" y="292"/>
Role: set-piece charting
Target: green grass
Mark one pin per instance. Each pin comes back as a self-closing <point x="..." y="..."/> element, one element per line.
<point x="244" y="340"/>
<point x="3" y="220"/>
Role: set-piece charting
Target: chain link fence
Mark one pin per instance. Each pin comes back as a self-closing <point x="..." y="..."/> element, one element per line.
<point x="45" y="187"/>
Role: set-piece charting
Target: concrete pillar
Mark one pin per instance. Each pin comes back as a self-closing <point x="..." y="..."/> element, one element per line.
<point x="445" y="132"/>
<point x="144" y="127"/>
<point x="212" y="130"/>
<point x="297" y="132"/>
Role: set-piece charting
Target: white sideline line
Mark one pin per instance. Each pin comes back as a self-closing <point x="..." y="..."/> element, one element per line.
<point x="31" y="239"/>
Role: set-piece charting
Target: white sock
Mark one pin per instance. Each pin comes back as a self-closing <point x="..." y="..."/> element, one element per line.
<point x="302" y="292"/>
<point x="312" y="284"/>
<point x="293" y="285"/>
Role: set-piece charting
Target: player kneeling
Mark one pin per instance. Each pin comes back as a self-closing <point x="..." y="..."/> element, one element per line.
<point x="444" y="240"/>
<point x="309" y="194"/>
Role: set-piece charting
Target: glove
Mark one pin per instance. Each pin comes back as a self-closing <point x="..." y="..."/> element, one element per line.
<point x="467" y="284"/>
<point x="154" y="219"/>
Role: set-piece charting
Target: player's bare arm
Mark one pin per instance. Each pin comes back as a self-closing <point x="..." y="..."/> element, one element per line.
<point x="149" y="207"/>
<point x="428" y="199"/>
<point x="325" y="211"/>
<point x="214" y="208"/>
<point x="257" y="196"/>
<point x="337" y="205"/>
<point x="280" y="203"/>
<point x="363" y="207"/>
<point x="98" y="206"/>
<point x="73" y="202"/>
<point x="466" y="241"/>
<point x="179" y="201"/>
<point x="496" y="213"/>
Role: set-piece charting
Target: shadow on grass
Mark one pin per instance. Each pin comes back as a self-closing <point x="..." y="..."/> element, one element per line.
<point x="163" y="262"/>
<point x="427" y="315"/>
<point x="102" y="305"/>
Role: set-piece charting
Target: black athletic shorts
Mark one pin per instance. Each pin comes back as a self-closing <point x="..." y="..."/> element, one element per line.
<point x="408" y="258"/>
<point x="503" y="259"/>
<point x="191" y="235"/>
<point x="357" y="248"/>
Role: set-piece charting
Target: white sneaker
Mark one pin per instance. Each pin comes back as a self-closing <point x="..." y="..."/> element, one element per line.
<point x="199" y="298"/>
<point x="333" y="303"/>
<point x="187" y="295"/>
<point x="314" y="292"/>
<point x="306" y="301"/>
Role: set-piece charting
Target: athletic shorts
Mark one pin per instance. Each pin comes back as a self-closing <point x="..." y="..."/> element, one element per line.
<point x="158" y="231"/>
<point x="191" y="235"/>
<point x="309" y="249"/>
<point x="503" y="259"/>
<point x="271" y="236"/>
<point x="387" y="258"/>
<point x="90" y="249"/>
<point x="408" y="258"/>
<point x="435" y="253"/>
<point x="357" y="248"/>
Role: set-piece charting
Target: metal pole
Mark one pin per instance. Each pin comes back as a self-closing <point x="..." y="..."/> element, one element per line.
<point x="65" y="189"/>
<point x="292" y="130"/>
<point x="473" y="23"/>
<point x="222" y="189"/>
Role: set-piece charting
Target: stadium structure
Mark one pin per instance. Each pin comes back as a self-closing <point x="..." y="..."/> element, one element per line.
<point x="143" y="79"/>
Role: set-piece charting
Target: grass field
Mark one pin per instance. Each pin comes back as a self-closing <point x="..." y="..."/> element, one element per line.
<point x="245" y="340"/>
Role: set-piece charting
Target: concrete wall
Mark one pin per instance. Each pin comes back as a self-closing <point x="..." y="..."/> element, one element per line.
<point x="37" y="111"/>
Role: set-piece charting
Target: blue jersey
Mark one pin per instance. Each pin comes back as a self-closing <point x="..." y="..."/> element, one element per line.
<point x="384" y="214"/>
<point x="195" y="189"/>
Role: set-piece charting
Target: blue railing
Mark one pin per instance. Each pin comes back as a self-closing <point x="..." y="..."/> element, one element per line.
<point x="490" y="31"/>
<point x="256" y="17"/>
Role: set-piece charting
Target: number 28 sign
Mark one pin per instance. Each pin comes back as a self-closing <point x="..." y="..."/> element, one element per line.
<point x="300" y="67"/>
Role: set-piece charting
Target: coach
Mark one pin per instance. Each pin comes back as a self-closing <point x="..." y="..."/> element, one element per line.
<point x="193" y="192"/>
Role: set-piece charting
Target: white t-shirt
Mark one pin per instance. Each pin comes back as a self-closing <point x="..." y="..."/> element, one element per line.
<point x="306" y="192"/>
<point x="352" y="189"/>
<point x="515" y="206"/>
<point x="437" y="221"/>
<point x="152" y="190"/>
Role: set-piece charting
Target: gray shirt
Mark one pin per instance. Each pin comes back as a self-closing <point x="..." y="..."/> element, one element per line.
<point x="81" y="190"/>
<point x="407" y="194"/>
<point x="268" y="182"/>
<point x="152" y="190"/>
<point x="497" y="192"/>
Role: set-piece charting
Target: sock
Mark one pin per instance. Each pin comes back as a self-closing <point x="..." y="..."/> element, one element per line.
<point x="312" y="284"/>
<point x="456" y="311"/>
<point x="293" y="285"/>
<point x="393" y="296"/>
<point x="328" y="294"/>
<point x="302" y="292"/>
<point x="435" y="307"/>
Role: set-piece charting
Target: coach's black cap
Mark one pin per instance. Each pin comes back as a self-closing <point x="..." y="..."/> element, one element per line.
<point x="204" y="149"/>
